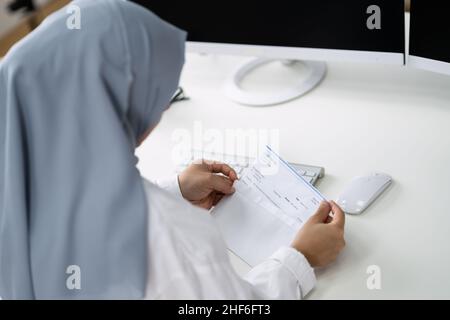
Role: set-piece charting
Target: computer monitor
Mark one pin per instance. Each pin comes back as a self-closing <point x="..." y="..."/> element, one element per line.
<point x="309" y="30"/>
<point x="429" y="44"/>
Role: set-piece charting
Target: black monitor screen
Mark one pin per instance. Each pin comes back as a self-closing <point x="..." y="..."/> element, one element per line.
<point x="324" y="24"/>
<point x="430" y="29"/>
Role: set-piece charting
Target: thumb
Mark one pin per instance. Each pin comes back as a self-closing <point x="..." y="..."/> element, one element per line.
<point x="339" y="215"/>
<point x="322" y="213"/>
<point x="221" y="184"/>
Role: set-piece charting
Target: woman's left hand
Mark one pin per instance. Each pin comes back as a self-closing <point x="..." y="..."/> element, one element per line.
<point x="204" y="184"/>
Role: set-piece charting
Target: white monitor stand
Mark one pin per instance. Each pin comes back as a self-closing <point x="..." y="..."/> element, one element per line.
<point x="234" y="91"/>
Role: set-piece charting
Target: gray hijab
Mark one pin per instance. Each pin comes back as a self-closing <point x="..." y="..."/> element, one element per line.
<point x="73" y="103"/>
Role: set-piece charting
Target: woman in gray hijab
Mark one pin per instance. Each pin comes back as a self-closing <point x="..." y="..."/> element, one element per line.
<point x="76" y="219"/>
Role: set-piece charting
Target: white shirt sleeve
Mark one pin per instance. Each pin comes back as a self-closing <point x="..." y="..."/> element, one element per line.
<point x="171" y="185"/>
<point x="287" y="274"/>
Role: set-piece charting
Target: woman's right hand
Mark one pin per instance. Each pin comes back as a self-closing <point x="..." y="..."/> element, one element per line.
<point x="204" y="183"/>
<point x="321" y="238"/>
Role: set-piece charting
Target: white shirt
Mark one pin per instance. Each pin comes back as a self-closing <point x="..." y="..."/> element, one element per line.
<point x="187" y="258"/>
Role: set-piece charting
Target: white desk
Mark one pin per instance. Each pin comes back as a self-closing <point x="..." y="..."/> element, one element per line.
<point x="362" y="118"/>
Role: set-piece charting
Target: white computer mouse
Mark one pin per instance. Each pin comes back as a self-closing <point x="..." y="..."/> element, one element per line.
<point x="362" y="192"/>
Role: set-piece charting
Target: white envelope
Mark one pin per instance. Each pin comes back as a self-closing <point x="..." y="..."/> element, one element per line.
<point x="266" y="210"/>
<point x="249" y="230"/>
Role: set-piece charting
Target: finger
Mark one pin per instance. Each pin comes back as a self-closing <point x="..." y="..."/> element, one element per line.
<point x="206" y="203"/>
<point x="217" y="198"/>
<point x="221" y="184"/>
<point x="338" y="215"/>
<point x="218" y="167"/>
<point x="322" y="213"/>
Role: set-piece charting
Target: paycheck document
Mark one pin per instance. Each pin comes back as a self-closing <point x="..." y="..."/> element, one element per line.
<point x="271" y="203"/>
